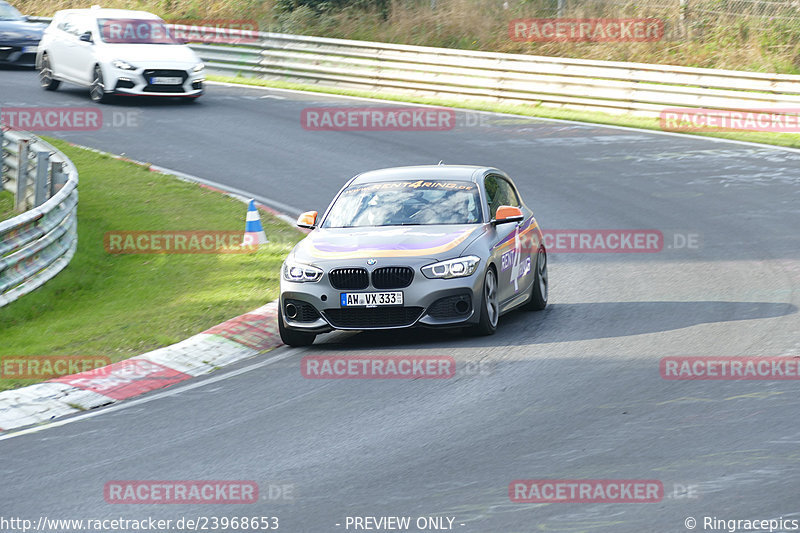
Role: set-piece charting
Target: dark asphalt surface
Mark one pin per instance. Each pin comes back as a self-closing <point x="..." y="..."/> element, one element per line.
<point x="570" y="393"/>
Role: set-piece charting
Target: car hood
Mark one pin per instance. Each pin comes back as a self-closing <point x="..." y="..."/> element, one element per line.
<point x="147" y="55"/>
<point x="435" y="242"/>
<point x="19" y="30"/>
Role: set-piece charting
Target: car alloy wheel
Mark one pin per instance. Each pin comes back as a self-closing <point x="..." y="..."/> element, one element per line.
<point x="490" y="306"/>
<point x="539" y="291"/>
<point x="490" y="298"/>
<point x="46" y="75"/>
<point x="97" y="92"/>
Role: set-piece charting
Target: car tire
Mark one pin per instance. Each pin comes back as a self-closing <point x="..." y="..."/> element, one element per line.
<point x="539" y="291"/>
<point x="292" y="337"/>
<point x="46" y="79"/>
<point x="490" y="305"/>
<point x="97" y="91"/>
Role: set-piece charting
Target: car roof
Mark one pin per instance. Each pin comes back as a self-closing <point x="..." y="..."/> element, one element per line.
<point x="424" y="172"/>
<point x="99" y="12"/>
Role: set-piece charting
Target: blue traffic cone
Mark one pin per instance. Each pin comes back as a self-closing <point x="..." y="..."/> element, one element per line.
<point x="253" y="231"/>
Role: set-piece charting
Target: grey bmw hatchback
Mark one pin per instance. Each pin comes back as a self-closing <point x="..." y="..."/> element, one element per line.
<point x="437" y="246"/>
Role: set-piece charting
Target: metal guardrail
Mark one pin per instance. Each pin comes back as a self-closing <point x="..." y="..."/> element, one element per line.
<point x="39" y="243"/>
<point x="612" y="87"/>
<point x="607" y="86"/>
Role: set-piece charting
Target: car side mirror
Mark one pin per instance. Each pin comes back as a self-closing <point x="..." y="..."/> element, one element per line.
<point x="86" y="37"/>
<point x="507" y="213"/>
<point x="307" y="220"/>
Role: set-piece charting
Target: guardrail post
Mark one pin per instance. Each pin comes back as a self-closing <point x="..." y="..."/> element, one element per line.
<point x="42" y="240"/>
<point x="2" y="155"/>
<point x="41" y="188"/>
<point x="22" y="175"/>
<point x="57" y="176"/>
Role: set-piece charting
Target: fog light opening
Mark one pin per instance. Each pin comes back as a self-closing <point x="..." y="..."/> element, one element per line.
<point x="291" y="310"/>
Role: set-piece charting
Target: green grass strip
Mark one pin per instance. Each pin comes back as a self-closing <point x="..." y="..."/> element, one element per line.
<point x="123" y="305"/>
<point x="7" y="205"/>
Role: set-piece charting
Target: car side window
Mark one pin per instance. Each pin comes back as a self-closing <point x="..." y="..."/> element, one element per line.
<point x="81" y="26"/>
<point x="499" y="192"/>
<point x="66" y="24"/>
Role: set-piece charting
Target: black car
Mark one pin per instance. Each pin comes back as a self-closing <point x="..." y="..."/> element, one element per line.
<point x="18" y="37"/>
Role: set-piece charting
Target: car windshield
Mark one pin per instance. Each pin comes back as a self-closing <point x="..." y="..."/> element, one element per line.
<point x="133" y="31"/>
<point x="8" y="12"/>
<point x="406" y="203"/>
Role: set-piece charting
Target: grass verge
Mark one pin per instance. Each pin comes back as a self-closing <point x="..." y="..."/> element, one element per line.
<point x="6" y="205"/>
<point x="123" y="305"/>
<point x="791" y="140"/>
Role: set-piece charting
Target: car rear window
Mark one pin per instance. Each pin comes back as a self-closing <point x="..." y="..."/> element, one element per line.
<point x="406" y="203"/>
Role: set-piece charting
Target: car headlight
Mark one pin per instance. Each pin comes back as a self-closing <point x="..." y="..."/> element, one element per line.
<point x="198" y="67"/>
<point x="122" y="65"/>
<point x="299" y="273"/>
<point x="459" y="267"/>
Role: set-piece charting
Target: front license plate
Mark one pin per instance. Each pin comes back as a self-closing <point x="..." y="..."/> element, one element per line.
<point x="371" y="299"/>
<point x="165" y="80"/>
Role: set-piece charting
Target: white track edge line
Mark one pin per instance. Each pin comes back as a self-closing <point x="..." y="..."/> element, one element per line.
<point x="497" y="113"/>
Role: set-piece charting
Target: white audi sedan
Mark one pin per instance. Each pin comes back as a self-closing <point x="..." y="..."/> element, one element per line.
<point x="117" y="52"/>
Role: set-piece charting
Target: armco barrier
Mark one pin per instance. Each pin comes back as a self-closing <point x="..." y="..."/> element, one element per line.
<point x="607" y="86"/>
<point x="611" y="87"/>
<point x="37" y="244"/>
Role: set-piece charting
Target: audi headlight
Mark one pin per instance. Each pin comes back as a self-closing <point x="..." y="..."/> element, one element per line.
<point x="122" y="65"/>
<point x="299" y="273"/>
<point x="460" y="267"/>
<point x="198" y="67"/>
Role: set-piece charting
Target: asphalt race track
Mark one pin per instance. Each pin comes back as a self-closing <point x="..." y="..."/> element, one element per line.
<point x="570" y="393"/>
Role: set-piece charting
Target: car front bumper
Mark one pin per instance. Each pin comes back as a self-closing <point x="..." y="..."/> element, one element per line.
<point x="18" y="54"/>
<point x="140" y="82"/>
<point x="435" y="303"/>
